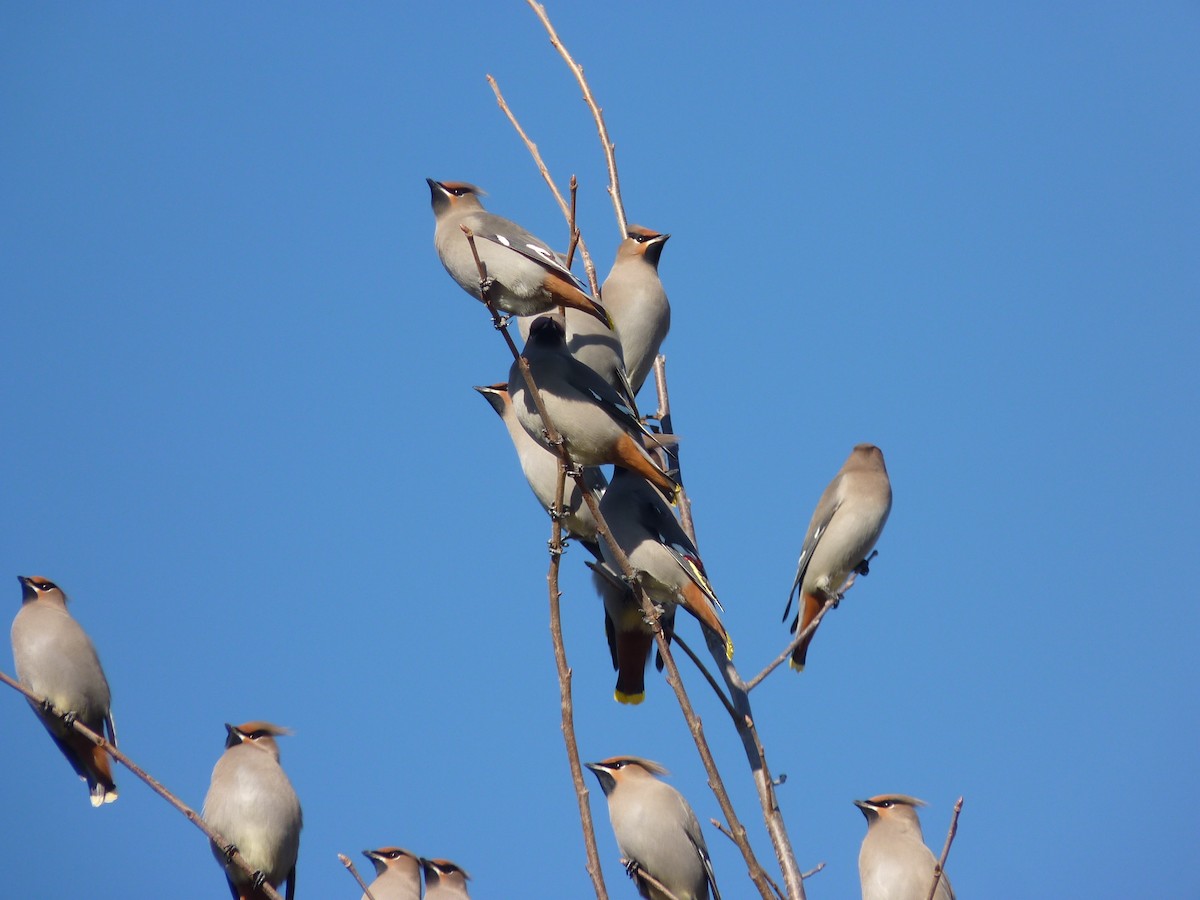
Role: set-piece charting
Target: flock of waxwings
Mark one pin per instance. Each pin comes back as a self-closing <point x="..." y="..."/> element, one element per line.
<point x="588" y="358"/>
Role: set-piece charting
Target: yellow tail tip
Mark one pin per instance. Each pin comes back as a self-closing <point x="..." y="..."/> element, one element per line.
<point x="629" y="699"/>
<point x="728" y="647"/>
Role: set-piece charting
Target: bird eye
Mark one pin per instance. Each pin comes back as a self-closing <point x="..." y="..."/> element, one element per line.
<point x="395" y="854"/>
<point x="459" y="191"/>
<point x="884" y="804"/>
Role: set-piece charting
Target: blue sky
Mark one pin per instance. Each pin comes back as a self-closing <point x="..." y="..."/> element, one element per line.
<point x="242" y="434"/>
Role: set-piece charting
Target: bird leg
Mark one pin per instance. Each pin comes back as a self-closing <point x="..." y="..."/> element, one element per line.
<point x="69" y="718"/>
<point x="863" y="568"/>
<point x="228" y="852"/>
<point x="632" y="867"/>
<point x="258" y="880"/>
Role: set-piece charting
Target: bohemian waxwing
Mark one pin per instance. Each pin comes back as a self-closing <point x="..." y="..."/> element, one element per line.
<point x="444" y="880"/>
<point x="655" y="828"/>
<point x="597" y="425"/>
<point x="630" y="639"/>
<point x="527" y="277"/>
<point x="894" y="863"/>
<point x="660" y="552"/>
<point x="56" y="660"/>
<point x="596" y="346"/>
<point x="398" y="874"/>
<point x="253" y="805"/>
<point x="634" y="297"/>
<point x="848" y="520"/>
<point x="541" y="471"/>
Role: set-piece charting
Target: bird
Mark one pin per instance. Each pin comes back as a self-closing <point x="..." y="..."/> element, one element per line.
<point x="445" y="880"/>
<point x="894" y="863"/>
<point x="398" y="874"/>
<point x="253" y="805"/>
<point x="656" y="830"/>
<point x="597" y="426"/>
<point x="635" y="299"/>
<point x="845" y="526"/>
<point x="596" y="346"/>
<point x="56" y="660"/>
<point x="667" y="563"/>
<point x="630" y="638"/>
<point x="541" y="471"/>
<point x="525" y="277"/>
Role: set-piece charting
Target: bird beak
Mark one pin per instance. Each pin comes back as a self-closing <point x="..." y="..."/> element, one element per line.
<point x="233" y="737"/>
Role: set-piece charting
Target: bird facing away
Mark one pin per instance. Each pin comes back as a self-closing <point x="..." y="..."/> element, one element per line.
<point x="526" y="276"/>
<point x="444" y="880"/>
<point x="630" y="639"/>
<point x="56" y="660"/>
<point x="397" y="874"/>
<point x="655" y="828"/>
<point x="894" y="863"/>
<point x="253" y="805"/>
<point x="666" y="561"/>
<point x="597" y="425"/>
<point x="541" y="471"/>
<point x="634" y="297"/>
<point x="845" y="526"/>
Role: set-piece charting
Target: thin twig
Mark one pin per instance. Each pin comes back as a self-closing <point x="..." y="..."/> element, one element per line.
<point x="192" y="816"/>
<point x="813" y="871"/>
<point x="941" y="863"/>
<point x="664" y="420"/>
<point x="610" y="149"/>
<point x="566" y="702"/>
<point x="588" y="266"/>
<point x="725" y="831"/>
<point x="349" y="864"/>
<point x="792" y="644"/>
<point x="639" y="874"/>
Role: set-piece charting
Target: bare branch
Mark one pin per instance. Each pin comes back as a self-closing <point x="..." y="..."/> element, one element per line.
<point x="567" y="210"/>
<point x="940" y="867"/>
<point x="566" y="702"/>
<point x="349" y="864"/>
<point x="712" y="682"/>
<point x="793" y="644"/>
<point x="610" y="149"/>
<point x="190" y="814"/>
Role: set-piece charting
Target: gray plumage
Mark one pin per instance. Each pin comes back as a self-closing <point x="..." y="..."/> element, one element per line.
<point x="55" y="659"/>
<point x="398" y="874"/>
<point x="528" y="277"/>
<point x="252" y="804"/>
<point x="445" y="880"/>
<point x="844" y="528"/>
<point x="659" y="550"/>
<point x="656" y="829"/>
<point x="894" y="863"/>
<point x="634" y="297"/>
<point x="598" y="426"/>
<point x="540" y="467"/>
<point x="596" y="346"/>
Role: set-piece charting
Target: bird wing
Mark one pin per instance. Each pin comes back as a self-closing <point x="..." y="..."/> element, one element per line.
<point x="826" y="508"/>
<point x="692" y="828"/>
<point x="661" y="523"/>
<point x="521" y="241"/>
<point x="111" y="727"/>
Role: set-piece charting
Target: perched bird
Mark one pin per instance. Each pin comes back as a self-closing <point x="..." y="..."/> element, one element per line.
<point x="541" y="471"/>
<point x="664" y="557"/>
<point x="56" y="660"/>
<point x="252" y="804"/>
<point x="444" y="880"/>
<point x="398" y="874"/>
<point x="634" y="297"/>
<point x="596" y="346"/>
<point x="894" y="863"/>
<point x="630" y="639"/>
<point x="656" y="830"/>
<point x="526" y="276"/>
<point x="598" y="427"/>
<point x="848" y="520"/>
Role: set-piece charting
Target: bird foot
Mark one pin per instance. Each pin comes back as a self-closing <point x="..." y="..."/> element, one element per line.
<point x="632" y="867"/>
<point x="864" y="567"/>
<point x="258" y="880"/>
<point x="228" y="852"/>
<point x="557" y="548"/>
<point x="69" y="718"/>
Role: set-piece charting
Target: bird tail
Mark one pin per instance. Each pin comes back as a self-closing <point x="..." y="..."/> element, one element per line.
<point x="812" y="606"/>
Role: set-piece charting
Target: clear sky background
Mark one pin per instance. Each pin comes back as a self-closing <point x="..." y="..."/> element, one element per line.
<point x="242" y="435"/>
